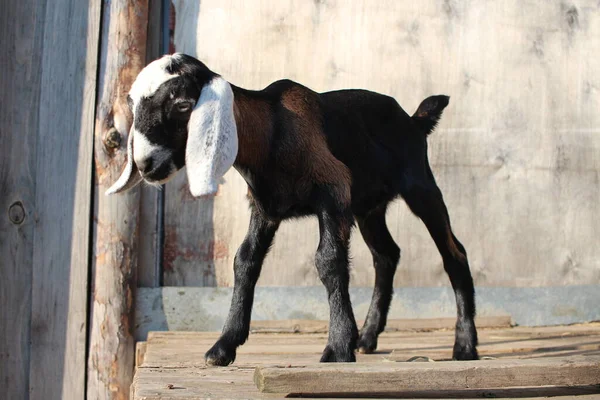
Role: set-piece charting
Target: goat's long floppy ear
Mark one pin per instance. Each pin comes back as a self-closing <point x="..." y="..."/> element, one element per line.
<point x="130" y="175"/>
<point x="212" y="143"/>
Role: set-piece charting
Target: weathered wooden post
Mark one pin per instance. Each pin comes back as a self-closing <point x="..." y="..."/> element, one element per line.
<point x="122" y="56"/>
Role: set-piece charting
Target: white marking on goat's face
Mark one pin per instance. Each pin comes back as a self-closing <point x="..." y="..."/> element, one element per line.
<point x="161" y="99"/>
<point x="150" y="78"/>
<point x="153" y="161"/>
<point x="170" y="96"/>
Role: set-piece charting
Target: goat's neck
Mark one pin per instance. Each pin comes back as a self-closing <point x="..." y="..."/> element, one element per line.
<point x="253" y="118"/>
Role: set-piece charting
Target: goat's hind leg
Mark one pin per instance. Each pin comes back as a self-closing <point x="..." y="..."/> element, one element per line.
<point x="247" y="266"/>
<point x="332" y="265"/>
<point x="386" y="255"/>
<point x="426" y="201"/>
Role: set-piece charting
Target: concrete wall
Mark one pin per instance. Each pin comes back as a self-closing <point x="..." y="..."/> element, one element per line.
<point x="205" y="309"/>
<point x="516" y="153"/>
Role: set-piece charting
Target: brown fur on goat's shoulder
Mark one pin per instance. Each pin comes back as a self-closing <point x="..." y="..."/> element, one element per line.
<point x="254" y="122"/>
<point x="318" y="162"/>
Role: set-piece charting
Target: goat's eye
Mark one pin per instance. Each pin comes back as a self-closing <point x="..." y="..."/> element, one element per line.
<point x="183" y="107"/>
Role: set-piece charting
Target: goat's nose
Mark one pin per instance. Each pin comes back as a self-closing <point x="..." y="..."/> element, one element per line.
<point x="145" y="165"/>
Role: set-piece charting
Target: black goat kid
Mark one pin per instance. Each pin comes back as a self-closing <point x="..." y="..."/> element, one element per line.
<point x="342" y="156"/>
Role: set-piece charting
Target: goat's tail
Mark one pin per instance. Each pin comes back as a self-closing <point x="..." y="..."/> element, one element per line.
<point x="429" y="112"/>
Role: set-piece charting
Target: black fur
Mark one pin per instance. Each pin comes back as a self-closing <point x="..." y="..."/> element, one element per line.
<point x="341" y="156"/>
<point x="385" y="151"/>
<point x="429" y="112"/>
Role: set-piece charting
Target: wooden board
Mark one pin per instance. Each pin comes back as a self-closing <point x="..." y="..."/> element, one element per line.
<point x="21" y="67"/>
<point x="111" y="344"/>
<point x="236" y="383"/>
<point x="190" y="249"/>
<point x="147" y="274"/>
<point x="421" y="376"/>
<point x="140" y="353"/>
<point x="174" y="368"/>
<point x="393" y="346"/>
<point x="63" y="174"/>
<point x="416" y="324"/>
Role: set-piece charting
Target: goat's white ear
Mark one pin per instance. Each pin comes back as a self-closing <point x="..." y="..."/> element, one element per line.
<point x="212" y="143"/>
<point x="130" y="176"/>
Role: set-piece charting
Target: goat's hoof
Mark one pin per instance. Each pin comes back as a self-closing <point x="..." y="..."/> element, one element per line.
<point x="330" y="355"/>
<point x="464" y="353"/>
<point x="219" y="356"/>
<point x="366" y="344"/>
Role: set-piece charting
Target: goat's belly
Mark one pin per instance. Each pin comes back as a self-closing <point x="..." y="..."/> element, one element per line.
<point x="276" y="208"/>
<point x="297" y="211"/>
<point x="275" y="212"/>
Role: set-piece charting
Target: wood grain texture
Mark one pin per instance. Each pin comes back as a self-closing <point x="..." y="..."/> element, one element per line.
<point x="174" y="367"/>
<point x="140" y="353"/>
<point x="409" y="376"/>
<point x="416" y="324"/>
<point x="19" y="109"/>
<point x="515" y="152"/>
<point x="186" y="349"/>
<point x="116" y="218"/>
<point x="146" y="267"/>
<point x="63" y="176"/>
<point x="190" y="247"/>
<point x="146" y="270"/>
<point x="236" y="383"/>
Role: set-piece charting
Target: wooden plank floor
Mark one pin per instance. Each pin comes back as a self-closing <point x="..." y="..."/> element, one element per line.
<point x="172" y="366"/>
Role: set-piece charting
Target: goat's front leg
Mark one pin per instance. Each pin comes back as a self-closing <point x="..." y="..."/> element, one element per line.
<point x="332" y="265"/>
<point x="247" y="266"/>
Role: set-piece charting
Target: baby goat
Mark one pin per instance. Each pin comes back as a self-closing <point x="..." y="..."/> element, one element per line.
<point x="342" y="156"/>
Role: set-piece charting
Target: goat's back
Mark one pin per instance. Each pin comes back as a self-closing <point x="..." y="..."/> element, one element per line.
<point x="358" y="136"/>
<point x="378" y="141"/>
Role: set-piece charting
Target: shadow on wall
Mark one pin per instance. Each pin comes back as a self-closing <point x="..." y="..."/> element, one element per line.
<point x="190" y="246"/>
